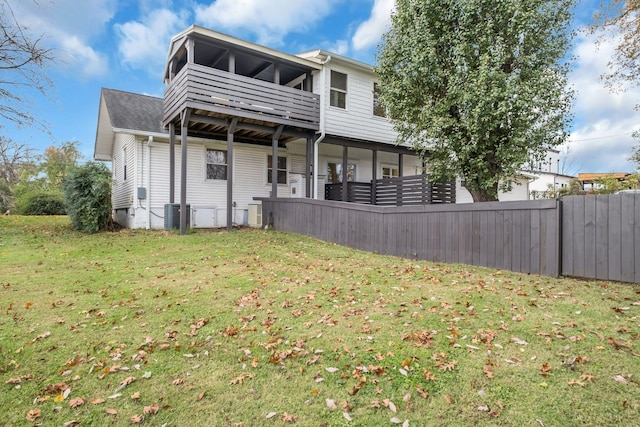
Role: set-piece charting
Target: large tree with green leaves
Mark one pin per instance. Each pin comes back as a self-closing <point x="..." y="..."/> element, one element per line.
<point x="478" y="86"/>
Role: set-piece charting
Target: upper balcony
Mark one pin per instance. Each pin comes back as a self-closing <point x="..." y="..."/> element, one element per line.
<point x="221" y="78"/>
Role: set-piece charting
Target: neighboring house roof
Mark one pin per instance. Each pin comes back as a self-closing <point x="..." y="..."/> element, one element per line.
<point x="125" y="112"/>
<point x="591" y="177"/>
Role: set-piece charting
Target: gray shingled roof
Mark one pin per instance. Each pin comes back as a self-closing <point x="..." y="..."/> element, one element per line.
<point x="133" y="111"/>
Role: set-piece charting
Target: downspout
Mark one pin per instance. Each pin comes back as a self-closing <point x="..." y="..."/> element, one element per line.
<point x="323" y="96"/>
<point x="149" y="141"/>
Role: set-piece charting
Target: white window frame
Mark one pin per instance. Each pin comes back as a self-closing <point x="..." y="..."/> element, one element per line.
<point x="338" y="164"/>
<point x="206" y="164"/>
<point x="286" y="170"/>
<point x="391" y="168"/>
<point x="338" y="90"/>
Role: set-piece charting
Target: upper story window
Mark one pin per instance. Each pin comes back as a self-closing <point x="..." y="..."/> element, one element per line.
<point x="216" y="164"/>
<point x="281" y="169"/>
<point x="390" y="172"/>
<point x="338" y="90"/>
<point x="378" y="109"/>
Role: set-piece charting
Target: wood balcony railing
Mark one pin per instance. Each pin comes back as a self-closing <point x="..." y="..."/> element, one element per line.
<point x="212" y="90"/>
<point x="399" y="191"/>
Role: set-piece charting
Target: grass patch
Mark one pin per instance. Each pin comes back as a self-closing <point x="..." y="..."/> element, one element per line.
<point x="265" y="328"/>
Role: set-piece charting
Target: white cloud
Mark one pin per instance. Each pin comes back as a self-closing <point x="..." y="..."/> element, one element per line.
<point x="601" y="140"/>
<point x="369" y="33"/>
<point x="143" y="45"/>
<point x="68" y="27"/>
<point x="268" y="20"/>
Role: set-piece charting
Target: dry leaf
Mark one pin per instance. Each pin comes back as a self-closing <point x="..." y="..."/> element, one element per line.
<point x="153" y="409"/>
<point x="332" y="370"/>
<point x="201" y="395"/>
<point x="405" y="423"/>
<point x="620" y="379"/>
<point x="347" y="416"/>
<point x="71" y="423"/>
<point x="447" y="398"/>
<point x="125" y="383"/>
<point x="288" y="418"/>
<point x="406" y="398"/>
<point x="135" y="395"/>
<point x="59" y="398"/>
<point x="137" y="419"/>
<point x="271" y="415"/>
<point x="78" y="401"/>
<point x="97" y="401"/>
<point x="396" y="420"/>
<point x="331" y="404"/>
<point x="178" y="381"/>
<point x="33" y="414"/>
<point x="111" y="411"/>
<point x="28" y="305"/>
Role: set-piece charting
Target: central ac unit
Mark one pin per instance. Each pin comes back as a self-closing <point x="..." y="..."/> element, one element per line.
<point x="172" y="215"/>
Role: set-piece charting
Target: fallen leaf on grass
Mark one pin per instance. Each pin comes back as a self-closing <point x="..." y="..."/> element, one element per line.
<point x="137" y="419"/>
<point x="271" y="415"/>
<point x="111" y="411"/>
<point x="620" y="379"/>
<point x="71" y="423"/>
<point x="136" y="395"/>
<point x="396" y="420"/>
<point x="331" y="404"/>
<point x="33" y="414"/>
<point x="153" y="409"/>
<point x="575" y="382"/>
<point x="332" y="370"/>
<point x="288" y="418"/>
<point x="78" y="401"/>
<point x="97" y="401"/>
<point x="201" y="395"/>
<point x="389" y="404"/>
<point x="125" y="383"/>
<point x="178" y="381"/>
<point x="347" y="416"/>
<point x="41" y="336"/>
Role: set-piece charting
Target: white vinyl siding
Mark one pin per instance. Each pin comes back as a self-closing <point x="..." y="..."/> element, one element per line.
<point x="357" y="120"/>
<point x="122" y="192"/>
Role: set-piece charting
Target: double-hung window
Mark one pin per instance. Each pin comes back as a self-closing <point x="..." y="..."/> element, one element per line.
<point x="216" y="164"/>
<point x="338" y="95"/>
<point x="281" y="168"/>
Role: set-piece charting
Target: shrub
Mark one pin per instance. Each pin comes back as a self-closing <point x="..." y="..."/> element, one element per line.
<point x="42" y="203"/>
<point x="87" y="193"/>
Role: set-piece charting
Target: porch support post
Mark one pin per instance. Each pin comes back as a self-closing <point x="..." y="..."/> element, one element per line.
<point x="276" y="73"/>
<point x="172" y="162"/>
<point x="309" y="167"/>
<point x="400" y="164"/>
<point x="191" y="51"/>
<point x="308" y="82"/>
<point x="374" y="175"/>
<point x="345" y="166"/>
<point x="274" y="161"/>
<point x="232" y="63"/>
<point x="230" y="131"/>
<point x="184" y="127"/>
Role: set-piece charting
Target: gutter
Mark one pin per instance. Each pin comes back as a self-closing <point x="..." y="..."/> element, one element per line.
<point x="149" y="142"/>
<point x="323" y="102"/>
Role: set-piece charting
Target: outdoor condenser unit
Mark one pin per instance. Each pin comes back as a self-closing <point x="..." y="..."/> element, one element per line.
<point x="172" y="215"/>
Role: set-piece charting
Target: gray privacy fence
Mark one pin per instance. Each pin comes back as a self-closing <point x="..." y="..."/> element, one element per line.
<point x="517" y="236"/>
<point x="601" y="237"/>
<point x="594" y="237"/>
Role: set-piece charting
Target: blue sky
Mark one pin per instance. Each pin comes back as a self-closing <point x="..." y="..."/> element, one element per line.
<point x="122" y="44"/>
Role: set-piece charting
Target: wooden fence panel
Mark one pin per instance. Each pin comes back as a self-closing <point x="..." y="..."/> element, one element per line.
<point x="601" y="237"/>
<point x="496" y="235"/>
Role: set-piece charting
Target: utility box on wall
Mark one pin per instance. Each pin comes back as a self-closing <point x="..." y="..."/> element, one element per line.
<point x="172" y="215"/>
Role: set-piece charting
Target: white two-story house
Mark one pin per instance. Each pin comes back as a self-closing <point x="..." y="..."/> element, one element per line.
<point x="239" y="122"/>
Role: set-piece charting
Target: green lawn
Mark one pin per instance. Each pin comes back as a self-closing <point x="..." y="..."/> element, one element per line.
<point x="256" y="328"/>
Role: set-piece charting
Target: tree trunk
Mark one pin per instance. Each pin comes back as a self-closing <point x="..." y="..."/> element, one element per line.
<point x="484" y="195"/>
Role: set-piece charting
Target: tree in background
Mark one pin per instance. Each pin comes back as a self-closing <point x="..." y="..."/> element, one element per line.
<point x="478" y="87"/>
<point x="40" y="186"/>
<point x="23" y="62"/>
<point x="619" y="21"/>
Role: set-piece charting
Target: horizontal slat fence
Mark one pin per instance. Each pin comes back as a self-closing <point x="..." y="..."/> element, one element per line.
<point x="601" y="237"/>
<point x="517" y="236"/>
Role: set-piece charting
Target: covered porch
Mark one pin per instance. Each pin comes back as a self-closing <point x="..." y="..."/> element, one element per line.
<point x="219" y="87"/>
